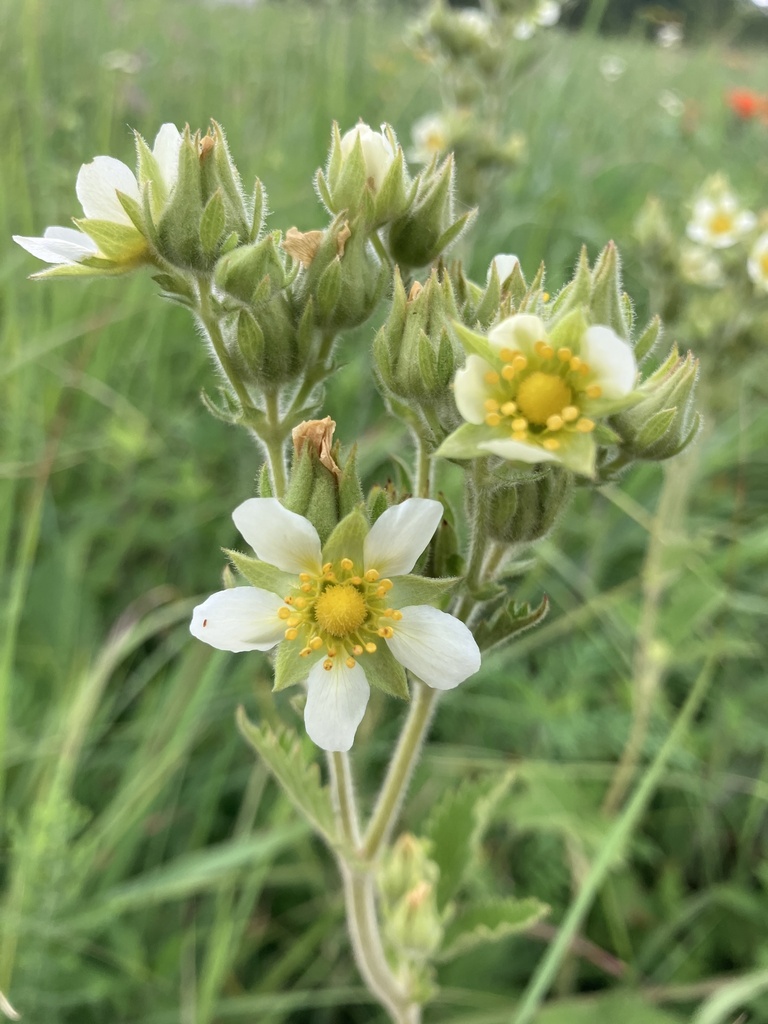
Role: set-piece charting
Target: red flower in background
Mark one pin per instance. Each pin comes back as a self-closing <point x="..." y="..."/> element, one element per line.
<point x="746" y="103"/>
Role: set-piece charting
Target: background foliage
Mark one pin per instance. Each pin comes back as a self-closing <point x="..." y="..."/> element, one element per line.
<point x="151" y="872"/>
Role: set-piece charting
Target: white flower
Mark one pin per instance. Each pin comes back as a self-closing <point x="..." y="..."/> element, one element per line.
<point x="475" y="21"/>
<point x="545" y="14"/>
<point x="757" y="264"/>
<point x="670" y="35"/>
<point x="701" y="266"/>
<point x="505" y="263"/>
<point x="718" y="221"/>
<point x="332" y="615"/>
<point x="430" y="136"/>
<point x="97" y="186"/>
<point x="612" y="67"/>
<point x="378" y="151"/>
<point x="534" y="401"/>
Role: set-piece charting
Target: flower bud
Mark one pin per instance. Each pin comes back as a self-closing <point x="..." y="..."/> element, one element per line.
<point x="664" y="421"/>
<point x="366" y="176"/>
<point x="415" y="353"/>
<point x="429" y="226"/>
<point x="406" y="866"/>
<point x="413" y="926"/>
<point x="527" y="509"/>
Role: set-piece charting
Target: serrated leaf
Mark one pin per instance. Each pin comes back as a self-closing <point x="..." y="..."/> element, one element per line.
<point x="409" y="590"/>
<point x="507" y="622"/>
<point x="286" y="757"/>
<point x="489" y="922"/>
<point x="228" y="412"/>
<point x="262" y="574"/>
<point x="456" y="827"/>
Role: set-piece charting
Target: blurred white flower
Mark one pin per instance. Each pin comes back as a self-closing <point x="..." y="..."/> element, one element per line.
<point x="701" y="266"/>
<point x="612" y="67"/>
<point x="378" y="151"/>
<point x="757" y="264"/>
<point x="670" y="35"/>
<point x="473" y="20"/>
<point x="672" y="103"/>
<point x="122" y="60"/>
<point x="545" y="14"/>
<point x="719" y="221"/>
<point x="430" y="137"/>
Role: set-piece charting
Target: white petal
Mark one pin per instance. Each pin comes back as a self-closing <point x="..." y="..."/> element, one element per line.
<point x="166" y="152"/>
<point x="611" y="359"/>
<point x="71" y="235"/>
<point x="745" y="221"/>
<point x="698" y="233"/>
<point x="520" y="332"/>
<point x="518" y="451"/>
<point x="435" y="646"/>
<point x="241" y="619"/>
<point x="57" y="250"/>
<point x="279" y="536"/>
<point x="400" y="534"/>
<point x="96" y="188"/>
<point x="378" y="153"/>
<point x="471" y="390"/>
<point x="505" y="264"/>
<point x="336" y="702"/>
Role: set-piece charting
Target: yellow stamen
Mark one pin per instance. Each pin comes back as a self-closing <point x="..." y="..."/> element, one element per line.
<point x="520" y="435"/>
<point x="304" y="577"/>
<point x="346" y="564"/>
<point x="544" y="349"/>
<point x="575" y="363"/>
<point x="585" y="425"/>
<point x="300" y="602"/>
<point x="508" y="371"/>
<point x="371" y="647"/>
<point x="327" y="567"/>
<point x="316" y="643"/>
<point x="492" y="419"/>
<point x="305" y="652"/>
<point x="519" y="362"/>
<point x="396" y="615"/>
<point x="509" y="408"/>
<point x="306" y="587"/>
<point x="491" y="377"/>
<point x="291" y="634"/>
<point x="372" y="575"/>
<point x="491" y="405"/>
<point x="350" y="662"/>
<point x="551" y="444"/>
<point x="294" y="620"/>
<point x="508" y="354"/>
<point x="564" y="354"/>
<point x="569" y="413"/>
<point x="721" y="223"/>
<point x="327" y="664"/>
<point x="519" y="424"/>
<point x="386" y="632"/>
<point x="357" y="650"/>
<point x="283" y="613"/>
<point x="594" y="391"/>
<point x="555" y="422"/>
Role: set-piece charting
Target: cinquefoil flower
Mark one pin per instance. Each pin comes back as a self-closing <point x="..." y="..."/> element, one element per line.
<point x="431" y="137"/>
<point x="529" y="397"/>
<point x="114" y="242"/>
<point x="378" y="151"/>
<point x="347" y="615"/>
<point x="719" y="220"/>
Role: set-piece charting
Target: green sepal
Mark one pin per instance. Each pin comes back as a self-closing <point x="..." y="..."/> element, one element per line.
<point x="290" y="667"/>
<point x="212" y="223"/>
<point x="262" y="574"/>
<point x="385" y="673"/>
<point x="119" y="242"/>
<point x="577" y="291"/>
<point x="350" y="489"/>
<point x="605" y="303"/>
<point x="329" y="290"/>
<point x="647" y="340"/>
<point x="569" y="330"/>
<point x="250" y="341"/>
<point x="578" y="452"/>
<point x="227" y="412"/>
<point x="347" y="539"/>
<point x="300" y="484"/>
<point x="408" y="590"/>
<point x="134" y="211"/>
<point x="377" y="503"/>
<point x="259" y="210"/>
<point x="488" y="922"/>
<point x="265" y="483"/>
<point x="284" y="754"/>
<point x="230" y="182"/>
<point x="605" y="435"/>
<point x="475" y="344"/>
<point x="464" y="442"/>
<point x="321" y="185"/>
<point x="489" y="304"/>
<point x="451" y="234"/>
<point x="149" y="173"/>
<point x="654" y="429"/>
<point x="95" y="268"/>
<point x="507" y="622"/>
<point x="178" y="227"/>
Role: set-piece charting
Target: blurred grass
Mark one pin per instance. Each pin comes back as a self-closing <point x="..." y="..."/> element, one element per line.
<point x="151" y="872"/>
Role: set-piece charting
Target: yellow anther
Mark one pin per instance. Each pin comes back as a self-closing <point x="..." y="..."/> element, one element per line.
<point x="519" y="424"/>
<point x="357" y="580"/>
<point x="331" y="652"/>
<point x="574" y="363"/>
<point x="346" y="564"/>
<point x="372" y="575"/>
<point x="386" y="632"/>
<point x="585" y="370"/>
<point x="397" y="616"/>
<point x="555" y="422"/>
<point x="509" y="408"/>
<point x="520" y="435"/>
<point x="327" y="664"/>
<point x="316" y="643"/>
<point x="305" y="652"/>
<point x="306" y="587"/>
<point x="294" y="620"/>
<point x="291" y="634"/>
<point x="508" y="354"/>
<point x="491" y="377"/>
<point x="283" y="613"/>
<point x="594" y="391"/>
<point x="371" y="647"/>
<point x="300" y="602"/>
<point x="551" y="444"/>
<point x="491" y="405"/>
<point x="585" y="425"/>
<point x="357" y="650"/>
<point x="545" y="296"/>
<point x="289" y="599"/>
<point x="492" y="419"/>
<point x="519" y="362"/>
<point x="564" y="354"/>
<point x="569" y="413"/>
<point x="381" y="591"/>
<point x="327" y="567"/>
<point x="387" y="584"/>
<point x="508" y="371"/>
<point x="350" y="662"/>
<point x="388" y="613"/>
<point x="304" y="577"/>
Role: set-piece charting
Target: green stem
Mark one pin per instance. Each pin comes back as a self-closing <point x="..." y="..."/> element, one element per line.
<point x="213" y="330"/>
<point x="273" y="439"/>
<point x="609" y="852"/>
<point x="400" y="769"/>
<point x="320" y="370"/>
<point x="423" y="482"/>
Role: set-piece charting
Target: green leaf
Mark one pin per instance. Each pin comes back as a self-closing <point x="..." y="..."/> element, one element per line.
<point x="464" y="442"/>
<point x="474" y="343"/>
<point x="578" y="452"/>
<point x="408" y="590"/>
<point x="261" y="574"/>
<point x="383" y="671"/>
<point x="645" y="343"/>
<point x="456" y="828"/>
<point x="290" y="667"/>
<point x="721" y="1006"/>
<point x="347" y="539"/>
<point x="489" y="922"/>
<point x="569" y="330"/>
<point x="120" y="242"/>
<point x="212" y="223"/>
<point x="629" y="1008"/>
<point x="507" y="622"/>
<point x="286" y="757"/>
<point x="655" y="428"/>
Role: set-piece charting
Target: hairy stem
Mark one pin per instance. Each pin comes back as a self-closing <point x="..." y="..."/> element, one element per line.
<point x="273" y="439"/>
<point x="212" y="328"/>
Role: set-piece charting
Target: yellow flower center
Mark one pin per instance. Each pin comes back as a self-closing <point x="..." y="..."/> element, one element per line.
<point x="721" y="223"/>
<point x="764" y="263"/>
<point x="340" y="610"/>
<point x="542" y="395"/>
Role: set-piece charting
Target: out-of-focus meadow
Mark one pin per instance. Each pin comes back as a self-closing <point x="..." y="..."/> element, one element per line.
<point x="151" y="872"/>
